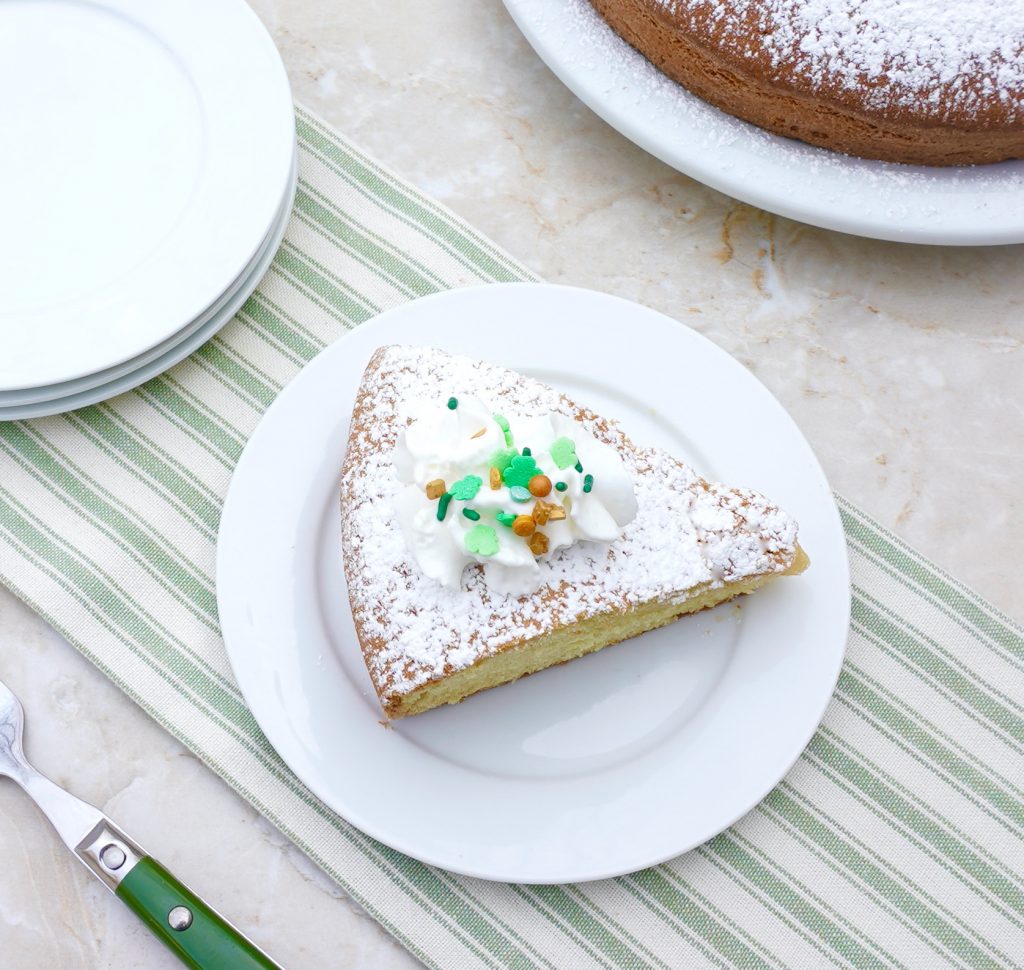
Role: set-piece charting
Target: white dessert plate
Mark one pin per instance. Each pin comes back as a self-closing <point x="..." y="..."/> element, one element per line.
<point x="84" y="391"/>
<point x="143" y="163"/>
<point x="968" y="206"/>
<point x="604" y="765"/>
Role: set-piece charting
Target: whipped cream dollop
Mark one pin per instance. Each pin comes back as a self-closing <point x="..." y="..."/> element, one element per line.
<point x="506" y="491"/>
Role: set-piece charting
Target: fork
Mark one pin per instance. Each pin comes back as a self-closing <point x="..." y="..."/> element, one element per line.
<point x="199" y="936"/>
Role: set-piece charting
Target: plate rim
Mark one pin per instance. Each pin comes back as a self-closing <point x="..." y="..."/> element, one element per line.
<point x="230" y="524"/>
<point x="610" y="104"/>
<point x="173" y="351"/>
<point x="267" y="103"/>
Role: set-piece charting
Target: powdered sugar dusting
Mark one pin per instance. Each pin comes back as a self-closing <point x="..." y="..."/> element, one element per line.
<point x="687" y="533"/>
<point x="968" y="204"/>
<point x="949" y="59"/>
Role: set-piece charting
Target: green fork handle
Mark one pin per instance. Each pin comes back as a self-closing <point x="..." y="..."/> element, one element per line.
<point x="199" y="937"/>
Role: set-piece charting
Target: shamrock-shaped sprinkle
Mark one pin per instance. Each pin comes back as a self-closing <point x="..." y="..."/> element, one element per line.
<point x="465" y="489"/>
<point x="502" y="458"/>
<point x="481" y="540"/>
<point x="519" y="472"/>
<point x="563" y="452"/>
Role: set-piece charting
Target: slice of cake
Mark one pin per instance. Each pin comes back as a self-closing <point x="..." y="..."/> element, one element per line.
<point x="491" y="527"/>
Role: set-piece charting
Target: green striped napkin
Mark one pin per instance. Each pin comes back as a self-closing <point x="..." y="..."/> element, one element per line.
<point x="896" y="841"/>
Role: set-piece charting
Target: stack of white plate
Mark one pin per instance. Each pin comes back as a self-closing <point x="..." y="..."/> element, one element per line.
<point x="147" y="173"/>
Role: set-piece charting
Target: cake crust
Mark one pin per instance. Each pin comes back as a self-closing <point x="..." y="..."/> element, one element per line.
<point x="767" y="62"/>
<point x="689" y="536"/>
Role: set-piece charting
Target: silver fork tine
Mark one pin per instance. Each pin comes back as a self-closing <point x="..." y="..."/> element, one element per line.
<point x="12" y="724"/>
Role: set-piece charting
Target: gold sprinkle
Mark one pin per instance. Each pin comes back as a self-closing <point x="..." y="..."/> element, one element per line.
<point x="436" y="488"/>
<point x="541" y="513"/>
<point x="495" y="478"/>
<point x="538" y="543"/>
<point x="523" y="526"/>
<point x="479" y="433"/>
<point x="556" y="512"/>
<point x="540" y="485"/>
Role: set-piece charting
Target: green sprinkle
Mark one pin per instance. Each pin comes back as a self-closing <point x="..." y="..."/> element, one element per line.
<point x="442" y="506"/>
<point x="520" y="470"/>
<point x="453" y="403"/>
<point x="527" y="452"/>
<point x="503" y="424"/>
<point x="563" y="452"/>
<point x="520" y="494"/>
<point x="579" y="467"/>
<point x="588" y="482"/>
<point x="506" y="518"/>
<point x="471" y="514"/>
<point x="502" y="458"/>
<point x="561" y="486"/>
<point x="481" y="540"/>
<point x="465" y="489"/>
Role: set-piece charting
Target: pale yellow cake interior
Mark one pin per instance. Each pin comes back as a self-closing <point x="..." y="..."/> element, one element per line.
<point x="575" y="640"/>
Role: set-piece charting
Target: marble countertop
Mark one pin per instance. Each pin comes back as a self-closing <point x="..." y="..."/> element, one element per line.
<point x="902" y="365"/>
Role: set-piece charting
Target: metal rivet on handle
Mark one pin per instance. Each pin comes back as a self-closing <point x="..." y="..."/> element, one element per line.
<point x="179" y="918"/>
<point x="112" y="856"/>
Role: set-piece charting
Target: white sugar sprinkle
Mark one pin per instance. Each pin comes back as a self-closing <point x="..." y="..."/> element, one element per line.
<point x="950" y="58"/>
<point x="414" y="630"/>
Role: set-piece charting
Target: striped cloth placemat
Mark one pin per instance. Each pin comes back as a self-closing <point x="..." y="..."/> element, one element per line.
<point x="896" y="841"/>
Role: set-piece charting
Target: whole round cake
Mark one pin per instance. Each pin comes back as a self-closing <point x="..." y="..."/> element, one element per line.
<point x="931" y="82"/>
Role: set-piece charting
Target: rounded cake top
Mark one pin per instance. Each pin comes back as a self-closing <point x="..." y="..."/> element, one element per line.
<point x="950" y="62"/>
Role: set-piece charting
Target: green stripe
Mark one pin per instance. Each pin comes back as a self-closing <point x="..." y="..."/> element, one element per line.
<point x="873" y="897"/>
<point x="682" y="907"/>
<point x="950" y="654"/>
<point x="731" y="852"/>
<point x="927" y="578"/>
<point x="892" y="870"/>
<point x="559" y="901"/>
<point x="125" y="616"/>
<point x="847" y="855"/>
<point x="282" y="326"/>
<point x="466" y="239"/>
<point x="855" y="875"/>
<point x="309" y="273"/>
<point x="397" y="257"/>
<point x="191" y="742"/>
<point x="786" y="875"/>
<point x="763" y="898"/>
<point x="944" y="736"/>
<point x="552" y="918"/>
<point x="898" y="811"/>
<point x="236" y="376"/>
<point x="938" y="669"/>
<point x="364" y="250"/>
<point x="147" y="465"/>
<point x="454" y="882"/>
<point x="965" y="628"/>
<point x="898" y="658"/>
<point x="584" y="900"/>
<point x="63" y="480"/>
<point x="213" y="435"/>
<point x="940" y="756"/>
<point x="437" y="227"/>
<point x="459" y="239"/>
<point x="716" y="911"/>
<point x="453" y="224"/>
